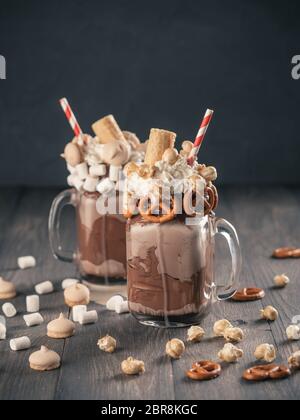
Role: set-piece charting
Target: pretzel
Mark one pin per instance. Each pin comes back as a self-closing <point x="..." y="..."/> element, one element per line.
<point x="265" y="372"/>
<point x="249" y="294"/>
<point x="286" y="252"/>
<point x="216" y="196"/>
<point x="127" y="213"/>
<point x="296" y="253"/>
<point x="204" y="370"/>
<point x="149" y="215"/>
<point x="212" y="200"/>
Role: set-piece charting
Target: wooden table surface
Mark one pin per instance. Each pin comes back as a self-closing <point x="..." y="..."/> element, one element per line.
<point x="265" y="218"/>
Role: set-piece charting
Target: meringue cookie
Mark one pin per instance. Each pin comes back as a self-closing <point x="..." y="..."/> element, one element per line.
<point x="60" y="328"/>
<point x="116" y="153"/>
<point x="7" y="289"/>
<point x="132" y="139"/>
<point x="44" y="360"/>
<point x="78" y="294"/>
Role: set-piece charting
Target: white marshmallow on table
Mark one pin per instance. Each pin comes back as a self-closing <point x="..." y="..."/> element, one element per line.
<point x="122" y="307"/>
<point x="77" y="311"/>
<point x="98" y="170"/>
<point x="33" y="319"/>
<point x="68" y="282"/>
<point x="113" y="301"/>
<point x="90" y="184"/>
<point x="105" y="186"/>
<point x="32" y="303"/>
<point x="82" y="170"/>
<point x="2" y="331"/>
<point x="88" y="317"/>
<point x="114" y="172"/>
<point x="22" y="343"/>
<point x="44" y="288"/>
<point x="26" y="262"/>
<point x="9" y="310"/>
<point x="2" y="320"/>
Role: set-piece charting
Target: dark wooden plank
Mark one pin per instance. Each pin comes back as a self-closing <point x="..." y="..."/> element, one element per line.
<point x="263" y="222"/>
<point x="88" y="373"/>
<point x="27" y="235"/>
<point x="266" y="219"/>
<point x="229" y="385"/>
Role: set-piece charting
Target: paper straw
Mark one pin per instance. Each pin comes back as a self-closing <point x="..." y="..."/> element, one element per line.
<point x="200" y="136"/>
<point x="70" y="117"/>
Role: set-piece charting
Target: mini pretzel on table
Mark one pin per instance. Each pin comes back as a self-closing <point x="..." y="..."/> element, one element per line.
<point x="265" y="372"/>
<point x="204" y="370"/>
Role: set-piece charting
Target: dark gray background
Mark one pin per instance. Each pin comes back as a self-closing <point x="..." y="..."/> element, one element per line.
<point x="152" y="63"/>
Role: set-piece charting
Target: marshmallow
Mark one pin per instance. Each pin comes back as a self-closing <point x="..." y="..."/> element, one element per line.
<point x="88" y="317"/>
<point x="98" y="170"/>
<point x="77" y="182"/>
<point x="22" y="343"/>
<point x="33" y="319"/>
<point x="32" y="303"/>
<point x="71" y="169"/>
<point x="9" y="310"/>
<point x="90" y="184"/>
<point x="113" y="301"/>
<point x="122" y="307"/>
<point x="26" y="262"/>
<point x="114" y="172"/>
<point x="68" y="282"/>
<point x="82" y="170"/>
<point x="77" y="311"/>
<point x="70" y="180"/>
<point x="106" y="186"/>
<point x="44" y="288"/>
<point x="2" y="331"/>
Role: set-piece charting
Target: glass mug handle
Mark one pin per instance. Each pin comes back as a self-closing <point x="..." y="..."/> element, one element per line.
<point x="224" y="228"/>
<point x="65" y="198"/>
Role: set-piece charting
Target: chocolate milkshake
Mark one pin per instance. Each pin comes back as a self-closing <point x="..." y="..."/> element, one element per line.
<point x="101" y="241"/>
<point x="96" y="167"/>
<point x="170" y="248"/>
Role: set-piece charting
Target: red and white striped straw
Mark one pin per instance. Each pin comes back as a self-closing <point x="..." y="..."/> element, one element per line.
<point x="70" y="117"/>
<point x="201" y="134"/>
